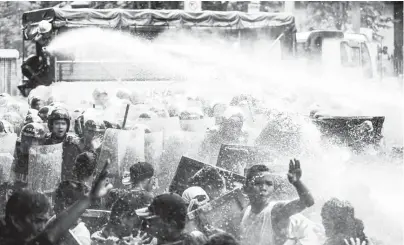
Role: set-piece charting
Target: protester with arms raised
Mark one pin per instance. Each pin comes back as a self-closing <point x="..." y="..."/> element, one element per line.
<point x="263" y="214"/>
<point x="27" y="214"/>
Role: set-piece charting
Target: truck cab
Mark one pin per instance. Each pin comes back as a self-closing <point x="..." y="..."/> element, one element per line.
<point x="336" y="51"/>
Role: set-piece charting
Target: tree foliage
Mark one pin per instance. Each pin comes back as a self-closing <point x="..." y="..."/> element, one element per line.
<point x="11" y="26"/>
<point x="338" y="15"/>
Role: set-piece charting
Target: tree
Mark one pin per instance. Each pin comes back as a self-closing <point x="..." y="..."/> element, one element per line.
<point x="338" y="15"/>
<point x="11" y="21"/>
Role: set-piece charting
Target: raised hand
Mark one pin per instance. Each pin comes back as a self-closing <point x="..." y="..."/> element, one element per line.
<point x="101" y="185"/>
<point x="295" y="172"/>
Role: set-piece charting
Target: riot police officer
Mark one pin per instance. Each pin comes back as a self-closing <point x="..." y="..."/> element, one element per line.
<point x="31" y="134"/>
<point x="59" y="125"/>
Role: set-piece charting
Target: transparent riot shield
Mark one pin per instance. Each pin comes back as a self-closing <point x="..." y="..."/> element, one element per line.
<point x="7" y="143"/>
<point x="224" y="213"/>
<point x="188" y="168"/>
<point x="6" y="161"/>
<point x="153" y="149"/>
<point x="237" y="158"/>
<point x="45" y="167"/>
<point x="123" y="148"/>
<point x="176" y="145"/>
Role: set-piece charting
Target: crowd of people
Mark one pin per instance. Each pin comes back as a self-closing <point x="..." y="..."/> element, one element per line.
<point x="137" y="215"/>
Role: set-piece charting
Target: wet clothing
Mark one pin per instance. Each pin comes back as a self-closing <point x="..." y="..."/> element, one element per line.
<point x="71" y="149"/>
<point x="256" y="229"/>
<point x="269" y="226"/>
<point x="141" y="197"/>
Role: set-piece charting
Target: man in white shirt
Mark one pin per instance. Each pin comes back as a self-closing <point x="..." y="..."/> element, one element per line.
<point x="262" y="219"/>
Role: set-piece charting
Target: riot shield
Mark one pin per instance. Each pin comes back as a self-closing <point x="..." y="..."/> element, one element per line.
<point x="343" y="129"/>
<point x="177" y="144"/>
<point x="236" y="158"/>
<point x="153" y="147"/>
<point x="7" y="143"/>
<point x="200" y="125"/>
<point x="45" y="167"/>
<point x="224" y="213"/>
<point x="70" y="152"/>
<point x="123" y="148"/>
<point x="6" y="161"/>
<point x="282" y="135"/>
<point x="188" y="167"/>
<point x="169" y="124"/>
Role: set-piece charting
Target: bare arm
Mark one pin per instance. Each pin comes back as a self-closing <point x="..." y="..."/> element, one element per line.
<point x="305" y="198"/>
<point x="58" y="227"/>
<point x="296" y="206"/>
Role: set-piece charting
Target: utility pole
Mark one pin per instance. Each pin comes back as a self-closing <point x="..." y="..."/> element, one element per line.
<point x="289" y="6"/>
<point x="398" y="38"/>
<point x="356" y="16"/>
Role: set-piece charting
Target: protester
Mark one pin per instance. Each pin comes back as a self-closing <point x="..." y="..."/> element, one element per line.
<point x="262" y="217"/>
<point x="339" y="222"/>
<point x="67" y="193"/>
<point x="165" y="220"/>
<point x="84" y="168"/>
<point x="26" y="217"/>
<point x="195" y="197"/>
<point x="142" y="180"/>
<point x="27" y="214"/>
<point x="123" y="222"/>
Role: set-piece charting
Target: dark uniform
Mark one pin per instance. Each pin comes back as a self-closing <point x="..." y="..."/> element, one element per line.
<point x="71" y="143"/>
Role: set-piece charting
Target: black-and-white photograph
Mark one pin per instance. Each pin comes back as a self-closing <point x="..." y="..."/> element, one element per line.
<point x="201" y="123"/>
